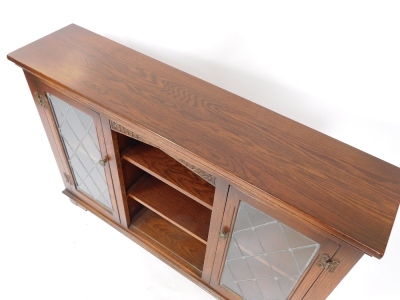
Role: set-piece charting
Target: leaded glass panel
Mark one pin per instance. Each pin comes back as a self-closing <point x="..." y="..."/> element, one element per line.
<point x="79" y="137"/>
<point x="265" y="258"/>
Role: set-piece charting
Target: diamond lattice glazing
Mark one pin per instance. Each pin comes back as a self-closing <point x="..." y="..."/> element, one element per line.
<point x="265" y="257"/>
<point x="79" y="137"/>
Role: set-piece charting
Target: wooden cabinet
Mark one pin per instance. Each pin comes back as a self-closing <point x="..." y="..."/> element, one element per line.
<point x="76" y="135"/>
<point x="245" y="202"/>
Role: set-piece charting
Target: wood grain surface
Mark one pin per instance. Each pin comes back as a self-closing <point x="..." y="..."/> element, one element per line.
<point x="174" y="239"/>
<point x="167" y="169"/>
<point x="349" y="192"/>
<point x="174" y="206"/>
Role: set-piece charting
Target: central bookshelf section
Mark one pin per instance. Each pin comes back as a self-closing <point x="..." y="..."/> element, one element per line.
<point x="167" y="202"/>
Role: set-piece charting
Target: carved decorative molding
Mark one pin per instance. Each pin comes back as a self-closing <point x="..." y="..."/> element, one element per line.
<point x="203" y="174"/>
<point x="68" y="178"/>
<point x="123" y="130"/>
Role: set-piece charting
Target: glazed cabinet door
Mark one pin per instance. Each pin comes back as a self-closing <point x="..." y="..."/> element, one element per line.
<point x="77" y="139"/>
<point x="263" y="253"/>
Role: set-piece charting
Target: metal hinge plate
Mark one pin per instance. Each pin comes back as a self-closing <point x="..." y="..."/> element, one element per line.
<point x="326" y="263"/>
<point x="42" y="101"/>
<point x="68" y="178"/>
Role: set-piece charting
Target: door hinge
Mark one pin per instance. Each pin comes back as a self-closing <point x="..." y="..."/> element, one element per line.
<point x="327" y="263"/>
<point x="68" y="178"/>
<point x="42" y="101"/>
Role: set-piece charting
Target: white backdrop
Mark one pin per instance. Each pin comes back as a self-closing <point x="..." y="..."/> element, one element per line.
<point x="334" y="67"/>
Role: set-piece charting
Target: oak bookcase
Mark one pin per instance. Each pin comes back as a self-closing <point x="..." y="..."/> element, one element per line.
<point x="246" y="203"/>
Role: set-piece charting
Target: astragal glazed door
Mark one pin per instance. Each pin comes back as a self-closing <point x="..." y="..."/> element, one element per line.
<point x="264" y="254"/>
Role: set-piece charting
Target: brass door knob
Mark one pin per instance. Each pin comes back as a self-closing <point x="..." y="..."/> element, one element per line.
<point x="102" y="162"/>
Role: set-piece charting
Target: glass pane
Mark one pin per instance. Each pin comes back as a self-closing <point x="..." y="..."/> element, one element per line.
<point x="79" y="137"/>
<point x="265" y="258"/>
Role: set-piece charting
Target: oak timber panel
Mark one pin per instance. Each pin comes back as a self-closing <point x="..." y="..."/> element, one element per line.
<point x="174" y="206"/>
<point x="167" y="169"/>
<point x="350" y="192"/>
<point x="174" y="239"/>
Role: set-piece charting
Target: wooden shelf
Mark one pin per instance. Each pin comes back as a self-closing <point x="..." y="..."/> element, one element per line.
<point x="172" y="205"/>
<point x="171" y="237"/>
<point x="161" y="165"/>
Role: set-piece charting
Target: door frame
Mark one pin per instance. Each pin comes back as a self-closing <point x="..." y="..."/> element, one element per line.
<point x="46" y="113"/>
<point x="310" y="274"/>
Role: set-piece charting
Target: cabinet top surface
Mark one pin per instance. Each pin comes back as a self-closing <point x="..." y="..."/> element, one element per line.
<point x="348" y="191"/>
